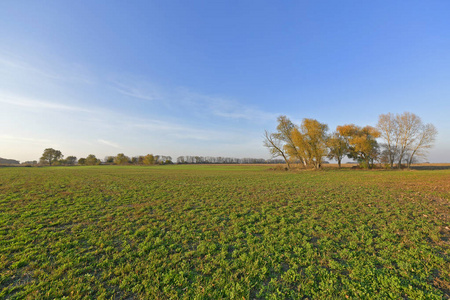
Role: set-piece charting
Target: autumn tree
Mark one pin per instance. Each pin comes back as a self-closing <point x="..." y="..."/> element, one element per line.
<point x="310" y="142"/>
<point x="91" y="160"/>
<point x="121" y="159"/>
<point x="50" y="156"/>
<point x="82" y="161"/>
<point x="284" y="134"/>
<point x="362" y="143"/>
<point x="149" y="159"/>
<point x="338" y="147"/>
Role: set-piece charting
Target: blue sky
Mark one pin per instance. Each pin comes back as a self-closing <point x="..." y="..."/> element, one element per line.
<point x="208" y="77"/>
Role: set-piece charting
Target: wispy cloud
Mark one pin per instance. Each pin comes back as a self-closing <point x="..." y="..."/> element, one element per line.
<point x="190" y="102"/>
<point x="177" y="130"/>
<point x="222" y="107"/>
<point x="108" y="143"/>
<point x="63" y="72"/>
<point x="133" y="92"/>
<point x="37" y="104"/>
<point x="181" y="131"/>
<point x="18" y="64"/>
<point x="23" y="139"/>
<point x="136" y="88"/>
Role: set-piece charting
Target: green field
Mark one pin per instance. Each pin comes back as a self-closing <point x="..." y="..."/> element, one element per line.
<point x="223" y="232"/>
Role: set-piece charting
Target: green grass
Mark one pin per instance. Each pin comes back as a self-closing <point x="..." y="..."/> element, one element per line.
<point x="231" y="232"/>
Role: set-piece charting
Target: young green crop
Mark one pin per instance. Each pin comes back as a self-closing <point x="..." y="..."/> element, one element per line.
<point x="234" y="232"/>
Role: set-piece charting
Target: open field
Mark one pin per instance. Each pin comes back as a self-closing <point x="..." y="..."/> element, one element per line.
<point x="212" y="232"/>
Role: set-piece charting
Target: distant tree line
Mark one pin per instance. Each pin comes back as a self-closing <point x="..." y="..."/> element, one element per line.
<point x="54" y="157"/>
<point x="404" y="139"/>
<point x="224" y="160"/>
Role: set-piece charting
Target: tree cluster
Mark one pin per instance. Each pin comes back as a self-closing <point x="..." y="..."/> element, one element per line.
<point x="404" y="136"/>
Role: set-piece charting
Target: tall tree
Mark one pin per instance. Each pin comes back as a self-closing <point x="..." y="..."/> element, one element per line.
<point x="310" y="140"/>
<point x="284" y="134"/>
<point x="275" y="146"/>
<point x="91" y="160"/>
<point x="338" y="147"/>
<point x="71" y="160"/>
<point x="51" y="155"/>
<point x="121" y="159"/>
<point x="424" y="141"/>
<point x="389" y="131"/>
<point x="409" y="126"/>
<point x="149" y="159"/>
<point x="362" y="142"/>
<point x="405" y="136"/>
<point x="109" y="159"/>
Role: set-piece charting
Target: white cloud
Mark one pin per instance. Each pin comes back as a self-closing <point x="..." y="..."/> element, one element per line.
<point x="37" y="104"/>
<point x="134" y="92"/>
<point x="194" y="103"/>
<point x="108" y="143"/>
<point x="135" y="87"/>
<point x="173" y="129"/>
<point x="222" y="107"/>
<point x="10" y="138"/>
<point x="19" y="64"/>
<point x="38" y="68"/>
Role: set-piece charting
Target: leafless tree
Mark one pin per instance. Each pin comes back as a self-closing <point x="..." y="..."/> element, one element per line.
<point x="405" y="136"/>
<point x="424" y="141"/>
<point x="275" y="146"/>
<point x="388" y="127"/>
<point x="409" y="126"/>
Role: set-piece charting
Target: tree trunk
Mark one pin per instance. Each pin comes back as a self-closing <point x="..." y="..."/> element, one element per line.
<point x="304" y="163"/>
<point x="287" y="161"/>
<point x="400" y="162"/>
<point x="411" y="158"/>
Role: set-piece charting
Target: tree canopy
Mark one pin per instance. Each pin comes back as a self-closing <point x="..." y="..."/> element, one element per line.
<point x="50" y="156"/>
